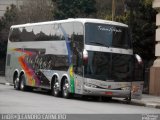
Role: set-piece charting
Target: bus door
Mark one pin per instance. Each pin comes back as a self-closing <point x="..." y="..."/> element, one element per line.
<point x="78" y="46"/>
<point x="78" y="70"/>
<point x="8" y="68"/>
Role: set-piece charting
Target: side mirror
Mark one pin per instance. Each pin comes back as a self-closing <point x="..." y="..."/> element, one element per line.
<point x="139" y="59"/>
<point x="85" y="57"/>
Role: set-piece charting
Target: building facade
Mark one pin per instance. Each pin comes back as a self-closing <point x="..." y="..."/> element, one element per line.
<point x="154" y="87"/>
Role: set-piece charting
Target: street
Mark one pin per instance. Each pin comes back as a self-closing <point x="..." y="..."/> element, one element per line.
<point x="14" y="101"/>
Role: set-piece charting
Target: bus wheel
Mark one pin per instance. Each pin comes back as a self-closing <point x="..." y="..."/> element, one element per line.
<point x="16" y="83"/>
<point x="128" y="100"/>
<point x="22" y="83"/>
<point x="55" y="88"/>
<point x="65" y="89"/>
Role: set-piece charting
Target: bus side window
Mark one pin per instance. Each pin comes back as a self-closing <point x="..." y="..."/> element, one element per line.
<point x="37" y="32"/>
<point x="56" y="33"/>
<point x="15" y="35"/>
<point x="46" y="33"/>
<point x="27" y="34"/>
<point x="8" y="59"/>
<point x="78" y="36"/>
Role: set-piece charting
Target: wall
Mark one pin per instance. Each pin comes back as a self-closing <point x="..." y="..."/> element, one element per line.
<point x="154" y="87"/>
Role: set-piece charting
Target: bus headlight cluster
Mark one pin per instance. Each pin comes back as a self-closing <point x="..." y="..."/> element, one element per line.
<point x="126" y="88"/>
<point x="90" y="85"/>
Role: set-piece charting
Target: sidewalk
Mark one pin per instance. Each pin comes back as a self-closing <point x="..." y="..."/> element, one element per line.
<point x="147" y="100"/>
<point x="3" y="81"/>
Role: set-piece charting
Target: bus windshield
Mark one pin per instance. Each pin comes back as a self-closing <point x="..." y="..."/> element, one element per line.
<point x="109" y="66"/>
<point x="107" y="35"/>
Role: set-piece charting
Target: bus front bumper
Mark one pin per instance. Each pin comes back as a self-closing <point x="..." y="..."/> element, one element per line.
<point x="105" y="92"/>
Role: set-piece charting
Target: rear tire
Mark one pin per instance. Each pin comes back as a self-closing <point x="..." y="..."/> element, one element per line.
<point x="16" y="83"/>
<point x="128" y="100"/>
<point x="65" y="89"/>
<point x="23" y="86"/>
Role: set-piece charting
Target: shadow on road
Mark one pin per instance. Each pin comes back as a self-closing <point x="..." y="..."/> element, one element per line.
<point x="78" y="97"/>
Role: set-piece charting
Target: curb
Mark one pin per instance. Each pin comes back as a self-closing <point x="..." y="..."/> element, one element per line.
<point x="9" y="84"/>
<point x="138" y="103"/>
<point x="141" y="103"/>
<point x="146" y="104"/>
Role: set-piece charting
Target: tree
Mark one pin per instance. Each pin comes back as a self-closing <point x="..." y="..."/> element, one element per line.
<point x="73" y="8"/>
<point x="9" y="17"/>
<point x="5" y="22"/>
<point x="143" y="29"/>
<point x="30" y="11"/>
<point x="140" y="17"/>
<point x="35" y="11"/>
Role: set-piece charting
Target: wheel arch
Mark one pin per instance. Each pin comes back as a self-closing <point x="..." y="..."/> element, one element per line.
<point x="22" y="73"/>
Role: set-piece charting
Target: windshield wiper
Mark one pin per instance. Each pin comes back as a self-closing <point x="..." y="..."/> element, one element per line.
<point x="99" y="43"/>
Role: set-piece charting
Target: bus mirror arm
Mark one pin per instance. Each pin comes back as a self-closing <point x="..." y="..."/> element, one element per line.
<point x="138" y="59"/>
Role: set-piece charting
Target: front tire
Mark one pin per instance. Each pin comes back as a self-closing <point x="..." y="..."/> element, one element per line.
<point x="55" y="88"/>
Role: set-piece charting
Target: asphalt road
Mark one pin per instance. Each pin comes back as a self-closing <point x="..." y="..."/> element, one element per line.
<point x="14" y="101"/>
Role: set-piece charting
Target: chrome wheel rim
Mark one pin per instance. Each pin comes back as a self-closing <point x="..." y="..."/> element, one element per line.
<point x="56" y="87"/>
<point x="22" y="84"/>
<point x="65" y="88"/>
<point x="16" y="83"/>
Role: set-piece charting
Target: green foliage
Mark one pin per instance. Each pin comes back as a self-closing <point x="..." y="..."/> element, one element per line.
<point x="73" y="8"/>
<point x="9" y="17"/>
<point x="5" y="22"/>
<point x="142" y="23"/>
<point x="143" y="29"/>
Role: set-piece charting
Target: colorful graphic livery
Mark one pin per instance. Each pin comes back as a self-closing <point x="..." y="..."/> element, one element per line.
<point x="75" y="56"/>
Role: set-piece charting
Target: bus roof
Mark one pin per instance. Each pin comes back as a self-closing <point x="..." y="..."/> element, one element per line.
<point x="82" y="20"/>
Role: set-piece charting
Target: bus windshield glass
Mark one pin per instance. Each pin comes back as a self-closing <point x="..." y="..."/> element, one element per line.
<point x="109" y="66"/>
<point x="107" y="35"/>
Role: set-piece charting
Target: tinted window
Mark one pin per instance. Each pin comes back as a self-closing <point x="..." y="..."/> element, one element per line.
<point x="109" y="66"/>
<point x="51" y="32"/>
<point x="107" y="35"/>
<point x="67" y="29"/>
<point x="8" y="59"/>
<point x="14" y="35"/>
<point x="37" y="33"/>
<point x="78" y="36"/>
<point x="78" y="46"/>
<point x="56" y="32"/>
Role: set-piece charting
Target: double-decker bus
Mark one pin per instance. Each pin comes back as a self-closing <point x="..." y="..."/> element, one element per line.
<point x="74" y="56"/>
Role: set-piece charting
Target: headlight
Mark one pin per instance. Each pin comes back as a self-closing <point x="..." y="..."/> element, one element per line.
<point x="126" y="88"/>
<point x="90" y="85"/>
